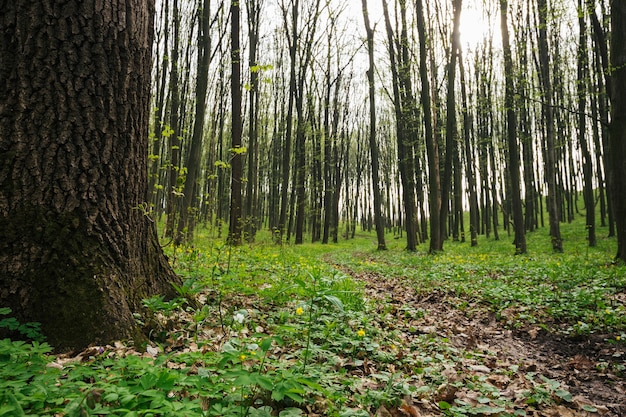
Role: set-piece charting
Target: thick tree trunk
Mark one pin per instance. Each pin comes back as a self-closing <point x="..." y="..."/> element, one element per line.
<point x="77" y="252"/>
<point x="617" y="154"/>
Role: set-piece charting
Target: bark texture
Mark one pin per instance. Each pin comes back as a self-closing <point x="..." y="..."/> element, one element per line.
<point x="77" y="252"/>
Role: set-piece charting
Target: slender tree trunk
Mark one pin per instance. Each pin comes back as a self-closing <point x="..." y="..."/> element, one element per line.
<point x="451" y="128"/>
<point x="77" y="251"/>
<point x="251" y="208"/>
<point x="469" y="159"/>
<point x="604" y="92"/>
<point x="236" y="221"/>
<point x="187" y="210"/>
<point x="154" y="169"/>
<point x="548" y="110"/>
<point x="289" y="27"/>
<point x="514" y="160"/>
<point x="617" y="145"/>
<point x="582" y="83"/>
<point x="173" y="133"/>
<point x="373" y="145"/>
<point x="432" y="147"/>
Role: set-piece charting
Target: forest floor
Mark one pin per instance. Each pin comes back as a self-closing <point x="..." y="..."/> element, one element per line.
<point x="582" y="365"/>
<point x="344" y="330"/>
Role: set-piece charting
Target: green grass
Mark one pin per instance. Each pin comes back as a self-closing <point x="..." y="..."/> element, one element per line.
<point x="265" y="329"/>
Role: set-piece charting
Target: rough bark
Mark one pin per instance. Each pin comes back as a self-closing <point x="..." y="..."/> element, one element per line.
<point x="77" y="252"/>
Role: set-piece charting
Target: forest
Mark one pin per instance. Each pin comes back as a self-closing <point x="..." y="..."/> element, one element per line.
<point x="313" y="207"/>
<point x="507" y="125"/>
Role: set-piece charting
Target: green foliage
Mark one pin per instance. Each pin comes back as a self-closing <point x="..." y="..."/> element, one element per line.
<point x="265" y="330"/>
<point x="31" y="331"/>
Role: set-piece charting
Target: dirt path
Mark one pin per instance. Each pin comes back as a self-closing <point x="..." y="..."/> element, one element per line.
<point x="585" y="368"/>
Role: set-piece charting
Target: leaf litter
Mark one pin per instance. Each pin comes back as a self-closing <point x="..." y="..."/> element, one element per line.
<point x="428" y="354"/>
<point x="513" y="363"/>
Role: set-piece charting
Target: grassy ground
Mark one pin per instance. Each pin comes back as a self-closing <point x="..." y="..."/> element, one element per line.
<point x="342" y="330"/>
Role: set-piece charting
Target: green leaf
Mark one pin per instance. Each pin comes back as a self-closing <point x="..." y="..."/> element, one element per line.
<point x="243" y="380"/>
<point x="290" y="412"/>
<point x="111" y="397"/>
<point x="589" y="408"/>
<point x="564" y="395"/>
<point x="265" y="411"/>
<point x="444" y="405"/>
<point x="14" y="408"/>
<point x="278" y="395"/>
<point x="148" y="381"/>
<point x="266" y="344"/>
<point x="334" y="301"/>
<point x="294" y="396"/>
<point x="265" y="382"/>
<point x="485" y="409"/>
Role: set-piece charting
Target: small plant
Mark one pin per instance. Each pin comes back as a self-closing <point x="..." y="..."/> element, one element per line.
<point x="32" y="331"/>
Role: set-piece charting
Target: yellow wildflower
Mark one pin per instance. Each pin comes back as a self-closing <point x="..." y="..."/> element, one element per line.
<point x="242" y="357"/>
<point x="360" y="333"/>
<point x="299" y="311"/>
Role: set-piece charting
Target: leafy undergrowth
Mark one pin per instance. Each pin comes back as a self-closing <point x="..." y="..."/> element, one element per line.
<point x="342" y="330"/>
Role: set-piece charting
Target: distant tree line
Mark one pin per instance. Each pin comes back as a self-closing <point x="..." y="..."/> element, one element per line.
<point x="509" y="128"/>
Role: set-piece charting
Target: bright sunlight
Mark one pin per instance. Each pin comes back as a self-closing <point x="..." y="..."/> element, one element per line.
<point x="478" y="24"/>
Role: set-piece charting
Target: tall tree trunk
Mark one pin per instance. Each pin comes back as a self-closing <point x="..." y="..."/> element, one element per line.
<point x="373" y="145"/>
<point x="77" y="251"/>
<point x="604" y="91"/>
<point x="432" y="147"/>
<point x="184" y="230"/>
<point x="514" y="160"/>
<point x="236" y="221"/>
<point x="173" y="132"/>
<point x="154" y="168"/>
<point x="548" y="110"/>
<point x="451" y="128"/>
<point x="617" y="145"/>
<point x="404" y="121"/>
<point x="582" y="83"/>
<point x="469" y="158"/>
<point x="290" y="27"/>
<point x="251" y="209"/>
